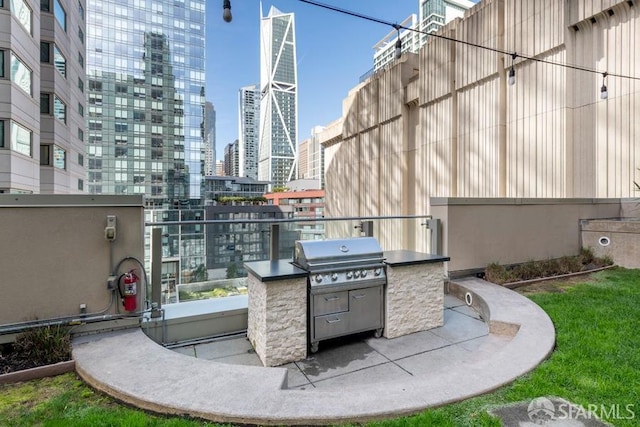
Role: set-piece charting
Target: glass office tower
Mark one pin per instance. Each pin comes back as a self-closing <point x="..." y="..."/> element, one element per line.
<point x="145" y="99"/>
<point x="279" y="98"/>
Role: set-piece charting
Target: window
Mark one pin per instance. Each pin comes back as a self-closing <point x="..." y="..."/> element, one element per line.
<point x="1" y="133"/>
<point x="59" y="61"/>
<point x="59" y="158"/>
<point x="81" y="10"/>
<point x="80" y="109"/>
<point x="81" y="59"/>
<point x="45" y="155"/>
<point x="45" y="6"/>
<point x="80" y="185"/>
<point x="2" y="63"/>
<point x="80" y="159"/>
<point x="20" y="139"/>
<point x="59" y="109"/>
<point x="45" y="103"/>
<point x="20" y="74"/>
<point x="45" y="52"/>
<point x="22" y="12"/>
<point x="80" y="84"/>
<point x="60" y="14"/>
<point x="80" y="134"/>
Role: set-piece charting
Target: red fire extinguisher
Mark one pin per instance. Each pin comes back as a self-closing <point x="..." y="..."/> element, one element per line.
<point x="130" y="291"/>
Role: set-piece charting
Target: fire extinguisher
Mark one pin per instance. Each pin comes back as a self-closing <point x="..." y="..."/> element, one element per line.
<point x="130" y="291"/>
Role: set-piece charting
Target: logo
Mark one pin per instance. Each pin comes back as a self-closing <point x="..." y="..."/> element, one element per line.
<point x="541" y="410"/>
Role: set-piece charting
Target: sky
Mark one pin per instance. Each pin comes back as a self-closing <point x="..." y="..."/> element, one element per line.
<point x="333" y="51"/>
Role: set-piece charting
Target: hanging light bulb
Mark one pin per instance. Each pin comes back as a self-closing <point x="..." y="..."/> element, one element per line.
<point x="226" y="10"/>
<point x="398" y="44"/>
<point x="512" y="71"/>
<point x="604" y="93"/>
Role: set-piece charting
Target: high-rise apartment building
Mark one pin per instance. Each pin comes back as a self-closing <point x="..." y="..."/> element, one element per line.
<point x="232" y="159"/>
<point x="249" y="130"/>
<point x="433" y="15"/>
<point x="42" y="106"/>
<point x="146" y="108"/>
<point x="279" y="98"/>
<point x="209" y="145"/>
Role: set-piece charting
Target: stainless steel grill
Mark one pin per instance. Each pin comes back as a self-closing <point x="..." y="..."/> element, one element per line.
<point x="346" y="286"/>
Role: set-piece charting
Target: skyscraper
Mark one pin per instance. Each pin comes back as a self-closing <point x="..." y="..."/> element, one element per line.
<point x="145" y="72"/>
<point x="42" y="59"/>
<point x="249" y="124"/>
<point x="279" y="98"/>
<point x="209" y="146"/>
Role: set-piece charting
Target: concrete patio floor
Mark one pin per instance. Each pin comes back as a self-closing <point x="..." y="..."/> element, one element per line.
<point x="481" y="347"/>
<point x="360" y="359"/>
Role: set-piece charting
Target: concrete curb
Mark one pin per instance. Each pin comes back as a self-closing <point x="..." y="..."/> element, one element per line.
<point x="132" y="368"/>
<point x="38" y="372"/>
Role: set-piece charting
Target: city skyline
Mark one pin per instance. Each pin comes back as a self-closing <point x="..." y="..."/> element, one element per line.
<point x="334" y="50"/>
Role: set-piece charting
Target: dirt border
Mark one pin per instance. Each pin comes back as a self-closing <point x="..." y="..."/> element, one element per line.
<point x="514" y="285"/>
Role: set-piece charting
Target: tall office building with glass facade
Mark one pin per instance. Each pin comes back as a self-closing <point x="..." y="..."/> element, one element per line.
<point x="279" y="98"/>
<point x="249" y="124"/>
<point x="145" y="96"/>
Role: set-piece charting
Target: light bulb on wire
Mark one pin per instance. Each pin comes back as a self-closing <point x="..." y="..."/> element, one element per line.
<point x="226" y="10"/>
<point x="398" y="53"/>
<point x="512" y="71"/>
<point x="604" y="93"/>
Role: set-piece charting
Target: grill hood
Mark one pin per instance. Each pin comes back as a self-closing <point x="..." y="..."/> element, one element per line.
<point x="314" y="255"/>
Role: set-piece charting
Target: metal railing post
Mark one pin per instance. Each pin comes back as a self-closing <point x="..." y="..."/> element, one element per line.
<point x="274" y="246"/>
<point x="156" y="271"/>
<point x="434" y="225"/>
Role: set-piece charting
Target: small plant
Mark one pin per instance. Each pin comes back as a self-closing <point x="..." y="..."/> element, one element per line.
<point x="43" y="346"/>
<point x="496" y="273"/>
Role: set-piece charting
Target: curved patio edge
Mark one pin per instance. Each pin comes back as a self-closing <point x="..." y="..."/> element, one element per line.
<point x="132" y="368"/>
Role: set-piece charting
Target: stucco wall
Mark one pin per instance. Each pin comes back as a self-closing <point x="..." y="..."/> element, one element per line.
<point x="54" y="256"/>
<point x="477" y="232"/>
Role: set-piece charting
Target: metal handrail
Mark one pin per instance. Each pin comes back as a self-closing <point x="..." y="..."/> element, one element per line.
<point x="281" y="220"/>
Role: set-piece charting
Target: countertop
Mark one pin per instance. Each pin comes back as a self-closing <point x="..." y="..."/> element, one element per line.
<point x="269" y="271"/>
<point x="401" y="257"/>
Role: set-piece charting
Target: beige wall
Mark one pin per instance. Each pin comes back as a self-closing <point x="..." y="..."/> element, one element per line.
<point x="54" y="256"/>
<point x="477" y="232"/>
<point x="616" y="238"/>
<point x="444" y="123"/>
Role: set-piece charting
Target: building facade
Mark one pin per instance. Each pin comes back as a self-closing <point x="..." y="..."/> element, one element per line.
<point x="217" y="188"/>
<point x="230" y="245"/>
<point x="277" y="159"/>
<point x="42" y="105"/>
<point x="445" y="123"/>
<point x="209" y="146"/>
<point x="249" y="130"/>
<point x="306" y="205"/>
<point x="432" y="16"/>
<point x="145" y="89"/>
<point x="232" y="159"/>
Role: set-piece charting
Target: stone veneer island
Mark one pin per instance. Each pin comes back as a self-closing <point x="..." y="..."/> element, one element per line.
<point x="277" y="324"/>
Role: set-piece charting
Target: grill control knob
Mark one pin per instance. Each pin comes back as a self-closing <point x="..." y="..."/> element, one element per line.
<point x="334" y="277"/>
<point x="349" y="274"/>
<point x="364" y="273"/>
<point x="356" y="274"/>
<point x="318" y="278"/>
<point x="377" y="271"/>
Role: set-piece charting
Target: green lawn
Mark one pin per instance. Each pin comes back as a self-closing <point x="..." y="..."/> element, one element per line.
<point x="596" y="362"/>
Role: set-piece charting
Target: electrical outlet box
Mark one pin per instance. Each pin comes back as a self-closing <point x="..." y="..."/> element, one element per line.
<point x="110" y="229"/>
<point x="112" y="282"/>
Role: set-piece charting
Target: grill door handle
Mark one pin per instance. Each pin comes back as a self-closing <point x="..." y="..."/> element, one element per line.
<point x="333" y="321"/>
<point x="332" y="298"/>
<point x="359" y="296"/>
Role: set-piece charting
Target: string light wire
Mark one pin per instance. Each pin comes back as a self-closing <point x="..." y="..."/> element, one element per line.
<point x="476" y="45"/>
